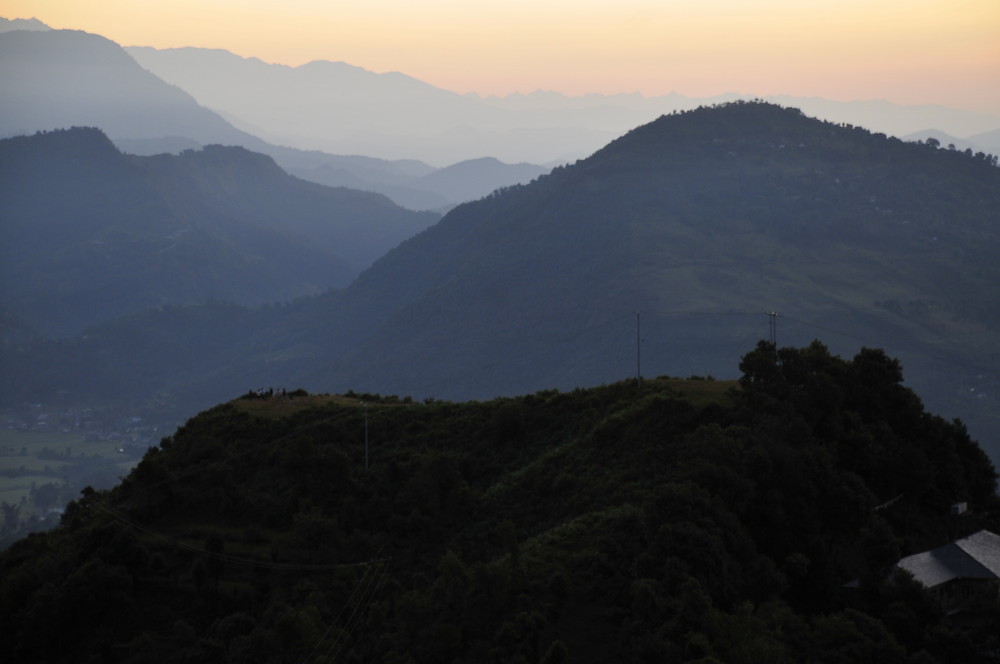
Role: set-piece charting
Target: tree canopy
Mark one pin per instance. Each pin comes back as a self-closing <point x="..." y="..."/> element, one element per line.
<point x="664" y="520"/>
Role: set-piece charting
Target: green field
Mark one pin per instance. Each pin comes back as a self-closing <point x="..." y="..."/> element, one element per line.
<point x="21" y="449"/>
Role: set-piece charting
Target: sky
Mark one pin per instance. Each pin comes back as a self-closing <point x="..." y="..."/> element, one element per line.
<point x="907" y="51"/>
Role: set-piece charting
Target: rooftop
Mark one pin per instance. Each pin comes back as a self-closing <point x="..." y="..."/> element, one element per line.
<point x="974" y="557"/>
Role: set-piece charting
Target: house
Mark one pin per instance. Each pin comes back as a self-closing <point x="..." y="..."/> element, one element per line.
<point x="959" y="574"/>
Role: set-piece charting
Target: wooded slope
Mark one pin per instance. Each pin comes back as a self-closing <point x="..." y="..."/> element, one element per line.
<point x="676" y="520"/>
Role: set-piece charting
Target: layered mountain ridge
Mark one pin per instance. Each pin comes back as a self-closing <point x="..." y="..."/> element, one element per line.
<point x="701" y="222"/>
<point x="92" y="234"/>
<point x="345" y="109"/>
<point x="57" y="79"/>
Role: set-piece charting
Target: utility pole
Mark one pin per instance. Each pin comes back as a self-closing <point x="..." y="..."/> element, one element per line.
<point x="365" y="404"/>
<point x="773" y="322"/>
<point x="638" y="351"/>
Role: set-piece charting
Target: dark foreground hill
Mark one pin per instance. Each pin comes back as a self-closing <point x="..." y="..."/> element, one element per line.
<point x="91" y="234"/>
<point x="676" y="520"/>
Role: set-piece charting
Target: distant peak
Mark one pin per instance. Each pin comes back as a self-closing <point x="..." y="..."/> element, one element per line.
<point x="235" y="156"/>
<point x="89" y="141"/>
<point x="332" y="64"/>
<point x="33" y="24"/>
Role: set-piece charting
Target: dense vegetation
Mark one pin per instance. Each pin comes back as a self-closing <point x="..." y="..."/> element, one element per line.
<point x="641" y="521"/>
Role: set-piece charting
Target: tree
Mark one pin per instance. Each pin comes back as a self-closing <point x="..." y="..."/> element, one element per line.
<point x="11" y="515"/>
<point x="557" y="653"/>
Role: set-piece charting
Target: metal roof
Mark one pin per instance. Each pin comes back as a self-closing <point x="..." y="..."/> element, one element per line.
<point x="974" y="557"/>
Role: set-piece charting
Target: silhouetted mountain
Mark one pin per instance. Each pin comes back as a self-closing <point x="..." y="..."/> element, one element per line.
<point x="469" y="180"/>
<point x="942" y="140"/>
<point x="7" y="25"/>
<point x="890" y="118"/>
<point x="63" y="78"/>
<point x="990" y="141"/>
<point x="90" y="233"/>
<point x="702" y="221"/>
<point x="399" y="180"/>
<point x="340" y="108"/>
<point x="266" y="96"/>
<point x="147" y="147"/>
<point x="669" y="521"/>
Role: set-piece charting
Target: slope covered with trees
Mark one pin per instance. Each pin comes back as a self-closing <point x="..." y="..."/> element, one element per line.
<point x="91" y="233"/>
<point x="667" y="520"/>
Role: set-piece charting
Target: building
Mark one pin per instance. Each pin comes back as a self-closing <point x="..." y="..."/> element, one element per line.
<point x="961" y="574"/>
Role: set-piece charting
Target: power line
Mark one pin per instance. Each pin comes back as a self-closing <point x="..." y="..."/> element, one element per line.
<point x="575" y="334"/>
<point x="509" y="359"/>
<point x="772" y="320"/>
<point x="367" y="595"/>
<point x="365" y="582"/>
<point x="217" y="555"/>
<point x="638" y="352"/>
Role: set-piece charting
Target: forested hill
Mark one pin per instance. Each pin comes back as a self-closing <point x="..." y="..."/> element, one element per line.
<point x="702" y="220"/>
<point x="91" y="233"/>
<point x="672" y="520"/>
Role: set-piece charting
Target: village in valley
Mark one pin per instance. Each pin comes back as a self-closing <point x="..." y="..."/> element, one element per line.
<point x="49" y="454"/>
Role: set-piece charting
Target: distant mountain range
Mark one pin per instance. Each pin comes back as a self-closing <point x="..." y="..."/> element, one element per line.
<point x="91" y="234"/>
<point x="988" y="142"/>
<point x="396" y="121"/>
<point x="659" y="254"/>
<point x="62" y="78"/>
<point x="418" y="186"/>
<point x="341" y="108"/>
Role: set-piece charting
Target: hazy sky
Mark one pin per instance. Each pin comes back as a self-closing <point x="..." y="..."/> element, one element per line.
<point x="907" y="51"/>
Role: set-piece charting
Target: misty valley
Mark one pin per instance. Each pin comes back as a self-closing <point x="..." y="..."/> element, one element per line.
<point x="637" y="380"/>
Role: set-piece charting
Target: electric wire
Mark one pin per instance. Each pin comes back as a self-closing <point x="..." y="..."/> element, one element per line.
<point x="356" y="615"/>
<point x="510" y="359"/>
<point x="364" y="582"/>
<point x="216" y="555"/>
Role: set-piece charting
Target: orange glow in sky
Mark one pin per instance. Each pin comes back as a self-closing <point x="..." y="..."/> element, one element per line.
<point x="906" y="51"/>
